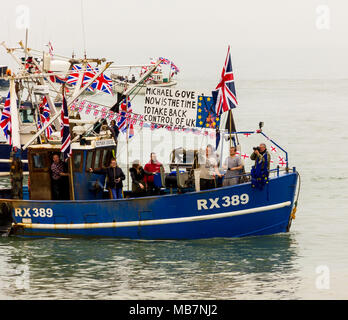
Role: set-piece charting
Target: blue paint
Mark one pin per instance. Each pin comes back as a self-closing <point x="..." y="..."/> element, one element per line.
<point x="280" y="189"/>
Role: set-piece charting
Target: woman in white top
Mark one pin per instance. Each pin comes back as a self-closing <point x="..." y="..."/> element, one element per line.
<point x="209" y="170"/>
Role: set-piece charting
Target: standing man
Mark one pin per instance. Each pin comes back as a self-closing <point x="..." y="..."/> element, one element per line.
<point x="261" y="155"/>
<point x="260" y="171"/>
<point x="115" y="177"/>
<point x="233" y="164"/>
<point x="58" y="178"/>
<point x="114" y="130"/>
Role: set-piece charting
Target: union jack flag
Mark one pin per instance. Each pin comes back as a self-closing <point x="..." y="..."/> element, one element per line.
<point x="102" y="83"/>
<point x="164" y="60"/>
<point x="75" y="74"/>
<point x="5" y="122"/>
<point x="65" y="131"/>
<point x="174" y="68"/>
<point x="225" y="92"/>
<point x="44" y="117"/>
<point x="123" y="121"/>
<point x="56" y="79"/>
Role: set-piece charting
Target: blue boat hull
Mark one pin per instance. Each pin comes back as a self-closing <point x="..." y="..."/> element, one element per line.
<point x="234" y="211"/>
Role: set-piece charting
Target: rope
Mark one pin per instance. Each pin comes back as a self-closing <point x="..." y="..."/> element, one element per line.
<point x="293" y="212"/>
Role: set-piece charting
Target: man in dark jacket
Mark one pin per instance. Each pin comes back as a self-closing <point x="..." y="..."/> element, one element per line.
<point x="115" y="177"/>
<point x="261" y="155"/>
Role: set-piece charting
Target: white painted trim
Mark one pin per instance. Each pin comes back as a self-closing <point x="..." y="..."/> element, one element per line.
<point x="152" y="222"/>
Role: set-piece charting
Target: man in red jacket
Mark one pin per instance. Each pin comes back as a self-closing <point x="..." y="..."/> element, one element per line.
<point x="153" y="166"/>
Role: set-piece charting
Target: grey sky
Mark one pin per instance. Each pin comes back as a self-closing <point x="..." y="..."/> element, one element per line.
<point x="269" y="38"/>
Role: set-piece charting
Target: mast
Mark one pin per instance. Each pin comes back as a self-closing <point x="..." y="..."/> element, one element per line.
<point x="231" y="127"/>
<point x="15" y="136"/>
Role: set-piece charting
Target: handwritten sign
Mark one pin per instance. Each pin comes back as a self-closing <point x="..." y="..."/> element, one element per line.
<point x="170" y="107"/>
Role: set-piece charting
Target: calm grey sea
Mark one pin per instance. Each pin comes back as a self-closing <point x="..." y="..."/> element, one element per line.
<point x="306" y="117"/>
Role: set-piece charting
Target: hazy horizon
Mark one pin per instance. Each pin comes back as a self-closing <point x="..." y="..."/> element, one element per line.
<point x="269" y="40"/>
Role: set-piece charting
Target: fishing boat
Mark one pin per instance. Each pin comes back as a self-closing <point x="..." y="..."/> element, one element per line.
<point x="177" y="213"/>
<point x="159" y="78"/>
<point x="178" y="210"/>
<point x="120" y="85"/>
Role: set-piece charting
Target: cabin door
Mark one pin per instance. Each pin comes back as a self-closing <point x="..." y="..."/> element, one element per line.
<point x="40" y="178"/>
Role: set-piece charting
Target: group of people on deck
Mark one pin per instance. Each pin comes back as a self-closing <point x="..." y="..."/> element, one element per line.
<point x="143" y="182"/>
<point x="143" y="178"/>
<point x="233" y="165"/>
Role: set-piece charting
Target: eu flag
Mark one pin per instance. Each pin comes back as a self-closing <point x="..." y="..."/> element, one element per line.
<point x="206" y="116"/>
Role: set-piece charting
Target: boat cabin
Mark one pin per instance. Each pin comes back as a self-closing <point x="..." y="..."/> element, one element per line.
<point x="80" y="183"/>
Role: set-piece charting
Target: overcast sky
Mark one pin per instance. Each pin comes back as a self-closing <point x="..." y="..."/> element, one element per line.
<point x="269" y="39"/>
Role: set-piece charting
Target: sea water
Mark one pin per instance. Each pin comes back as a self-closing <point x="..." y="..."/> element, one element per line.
<point x="307" y="118"/>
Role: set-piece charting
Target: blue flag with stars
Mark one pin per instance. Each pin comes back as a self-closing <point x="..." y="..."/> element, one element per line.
<point x="206" y="116"/>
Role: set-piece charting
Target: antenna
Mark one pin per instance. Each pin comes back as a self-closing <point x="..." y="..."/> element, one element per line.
<point x="83" y="28"/>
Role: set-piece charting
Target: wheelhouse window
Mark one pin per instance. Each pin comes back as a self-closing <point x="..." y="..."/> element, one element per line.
<point x="38" y="160"/>
<point x="89" y="160"/>
<point x="26" y="115"/>
<point x="77" y="160"/>
<point x="107" y="156"/>
<point x="97" y="158"/>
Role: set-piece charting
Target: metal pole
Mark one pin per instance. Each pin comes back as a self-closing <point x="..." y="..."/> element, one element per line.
<point x="15" y="136"/>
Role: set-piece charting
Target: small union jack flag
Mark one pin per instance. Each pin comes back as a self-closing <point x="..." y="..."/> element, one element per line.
<point x="50" y="48"/>
<point x="57" y="79"/>
<point x="164" y="60"/>
<point x="123" y="121"/>
<point x="44" y="117"/>
<point x="5" y="121"/>
<point x="65" y="131"/>
<point x="225" y="92"/>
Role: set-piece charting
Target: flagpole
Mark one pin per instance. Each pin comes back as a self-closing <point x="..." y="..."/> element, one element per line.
<point x="15" y="136"/>
<point x="230" y="126"/>
<point x="127" y="141"/>
<point x="71" y="173"/>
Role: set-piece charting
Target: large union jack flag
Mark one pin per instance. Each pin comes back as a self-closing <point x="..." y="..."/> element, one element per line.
<point x="75" y="73"/>
<point x="124" y="121"/>
<point x="44" y="117"/>
<point x="65" y="131"/>
<point x="5" y="122"/>
<point x="225" y="92"/>
<point x="102" y="83"/>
